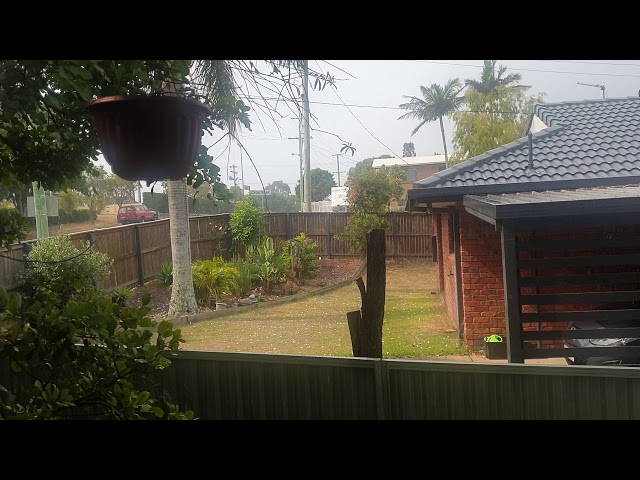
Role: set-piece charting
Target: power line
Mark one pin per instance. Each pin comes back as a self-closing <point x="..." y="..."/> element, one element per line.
<point x="531" y="69"/>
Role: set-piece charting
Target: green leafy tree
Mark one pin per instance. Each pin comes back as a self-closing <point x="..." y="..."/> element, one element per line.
<point x="280" y="187"/>
<point x="321" y="183"/>
<point x="436" y="103"/>
<point x="282" y="203"/>
<point x="493" y="120"/>
<point x="369" y="195"/>
<point x="408" y="149"/>
<point x="120" y="190"/>
<point x="363" y="165"/>
<point x="492" y="78"/>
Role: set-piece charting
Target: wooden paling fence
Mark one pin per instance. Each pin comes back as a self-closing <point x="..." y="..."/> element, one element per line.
<point x="139" y="250"/>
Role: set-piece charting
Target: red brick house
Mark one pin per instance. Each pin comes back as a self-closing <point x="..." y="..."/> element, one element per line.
<point x="541" y="231"/>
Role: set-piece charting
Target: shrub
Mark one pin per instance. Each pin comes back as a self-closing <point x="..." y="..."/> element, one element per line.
<point x="166" y="273"/>
<point x="246" y="223"/>
<point x="247" y="278"/>
<point x="12" y="227"/>
<point x="58" y="270"/>
<point x="212" y="278"/>
<point x="121" y="295"/>
<point x="78" y="360"/>
<point x="271" y="268"/>
<point x="299" y="258"/>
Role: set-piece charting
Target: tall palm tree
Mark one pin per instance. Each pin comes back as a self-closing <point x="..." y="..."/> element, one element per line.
<point x="215" y="81"/>
<point x="437" y="102"/>
<point x="491" y="78"/>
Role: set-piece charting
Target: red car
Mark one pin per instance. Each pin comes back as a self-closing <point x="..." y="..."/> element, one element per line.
<point x="133" y="213"/>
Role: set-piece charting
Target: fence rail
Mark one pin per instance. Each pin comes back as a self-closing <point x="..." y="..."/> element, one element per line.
<point x="139" y="250"/>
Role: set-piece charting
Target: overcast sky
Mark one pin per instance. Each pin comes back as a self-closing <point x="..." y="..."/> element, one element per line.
<point x="372" y="91"/>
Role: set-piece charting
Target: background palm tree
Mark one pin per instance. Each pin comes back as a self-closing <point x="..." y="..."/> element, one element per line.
<point x="491" y="78"/>
<point x="437" y="102"/>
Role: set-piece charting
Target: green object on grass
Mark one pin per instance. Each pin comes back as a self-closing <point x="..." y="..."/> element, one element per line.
<point x="493" y="338"/>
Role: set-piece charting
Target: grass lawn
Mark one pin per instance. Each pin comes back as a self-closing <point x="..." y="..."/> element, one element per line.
<point x="415" y="323"/>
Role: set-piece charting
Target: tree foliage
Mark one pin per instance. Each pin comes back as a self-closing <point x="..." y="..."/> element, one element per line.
<point x="75" y="352"/>
<point x="280" y="187"/>
<point x="492" y="78"/>
<point x="408" y="149"/>
<point x="321" y="183"/>
<point x="247" y="223"/>
<point x="369" y="195"/>
<point x="493" y="120"/>
<point x="436" y="103"/>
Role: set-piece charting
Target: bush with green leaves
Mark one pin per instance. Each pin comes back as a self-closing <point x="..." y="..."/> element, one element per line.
<point x="300" y="258"/>
<point x="121" y="295"/>
<point x="166" y="273"/>
<point x="370" y="193"/>
<point x="58" y="270"/>
<point x="87" y="358"/>
<point x="246" y="223"/>
<point x="212" y="278"/>
<point x="12" y="227"/>
<point x="271" y="267"/>
<point x="247" y="278"/>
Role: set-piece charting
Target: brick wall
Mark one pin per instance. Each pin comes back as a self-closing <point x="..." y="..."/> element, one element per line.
<point x="482" y="280"/>
<point x="447" y="265"/>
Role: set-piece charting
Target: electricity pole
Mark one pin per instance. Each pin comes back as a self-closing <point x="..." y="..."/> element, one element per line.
<point x="299" y="138"/>
<point x="337" y="155"/>
<point x="307" y="138"/>
<point x="234" y="175"/>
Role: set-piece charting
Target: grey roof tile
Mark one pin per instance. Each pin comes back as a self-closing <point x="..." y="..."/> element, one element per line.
<point x="585" y="140"/>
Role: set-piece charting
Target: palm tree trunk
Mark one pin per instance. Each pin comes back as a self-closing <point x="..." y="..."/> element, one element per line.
<point x="183" y="297"/>
<point x="444" y="142"/>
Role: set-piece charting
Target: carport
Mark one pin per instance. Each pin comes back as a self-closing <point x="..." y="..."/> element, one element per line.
<point x="565" y="255"/>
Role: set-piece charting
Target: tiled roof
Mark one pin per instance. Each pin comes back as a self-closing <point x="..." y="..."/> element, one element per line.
<point x="591" y="139"/>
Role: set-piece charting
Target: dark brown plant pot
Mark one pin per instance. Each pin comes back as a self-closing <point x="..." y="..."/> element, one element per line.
<point x="149" y="137"/>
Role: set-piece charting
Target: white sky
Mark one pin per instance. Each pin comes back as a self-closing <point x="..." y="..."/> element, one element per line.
<point x="377" y="131"/>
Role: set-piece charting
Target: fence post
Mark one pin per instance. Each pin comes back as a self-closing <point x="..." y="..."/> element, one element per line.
<point x="139" y="250"/>
<point x="328" y="228"/>
<point x="288" y="226"/>
<point x="394" y="224"/>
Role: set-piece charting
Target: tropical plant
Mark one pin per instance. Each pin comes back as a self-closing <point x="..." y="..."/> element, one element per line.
<point x="271" y="268"/>
<point x="212" y="278"/>
<point x="491" y="78"/>
<point x="121" y="295"/>
<point x="300" y="258"/>
<point x="166" y="273"/>
<point x="437" y="102"/>
<point x="246" y="280"/>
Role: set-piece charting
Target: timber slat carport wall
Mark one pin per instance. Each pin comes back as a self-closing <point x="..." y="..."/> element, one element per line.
<point x="139" y="250"/>
<point x="558" y="276"/>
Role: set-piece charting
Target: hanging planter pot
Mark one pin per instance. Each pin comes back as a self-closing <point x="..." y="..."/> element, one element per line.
<point x="149" y="137"/>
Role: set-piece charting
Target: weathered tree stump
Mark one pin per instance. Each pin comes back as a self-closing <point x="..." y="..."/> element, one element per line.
<point x="365" y="325"/>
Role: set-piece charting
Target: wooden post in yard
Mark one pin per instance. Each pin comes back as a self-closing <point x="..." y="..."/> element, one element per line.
<point x="365" y="325"/>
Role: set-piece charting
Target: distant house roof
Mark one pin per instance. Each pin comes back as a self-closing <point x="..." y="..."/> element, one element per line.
<point x="406" y="161"/>
<point x="585" y="144"/>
